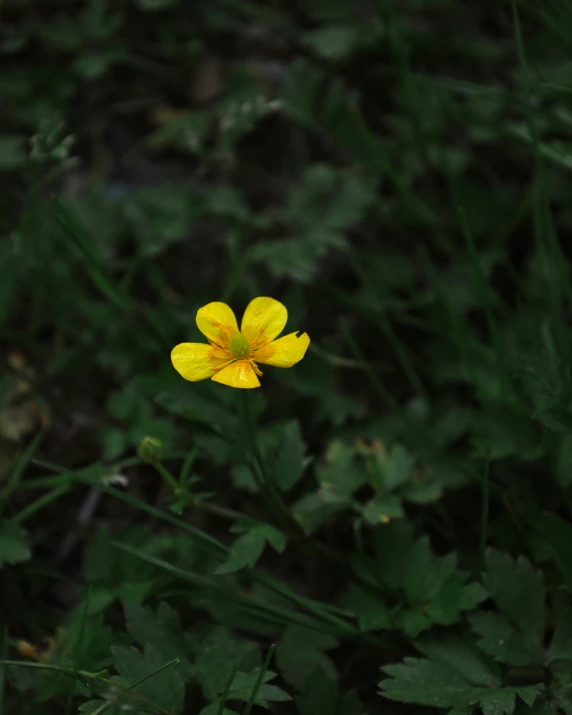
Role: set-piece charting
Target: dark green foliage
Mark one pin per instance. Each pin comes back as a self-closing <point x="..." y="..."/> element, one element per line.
<point x="248" y="548"/>
<point x="398" y="176"/>
<point x="460" y="673"/>
<point x="516" y="636"/>
<point x="414" y="588"/>
<point x="429" y="683"/>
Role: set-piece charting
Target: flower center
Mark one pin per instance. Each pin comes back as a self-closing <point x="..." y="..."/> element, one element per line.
<point x="239" y="345"/>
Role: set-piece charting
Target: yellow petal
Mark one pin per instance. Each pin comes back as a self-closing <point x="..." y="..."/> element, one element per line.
<point x="240" y="373"/>
<point x="216" y="321"/>
<point x="284" y="352"/>
<point x="263" y="320"/>
<point x="195" y="361"/>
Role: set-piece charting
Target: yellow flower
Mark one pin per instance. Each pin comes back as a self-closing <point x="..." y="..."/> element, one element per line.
<point x="232" y="355"/>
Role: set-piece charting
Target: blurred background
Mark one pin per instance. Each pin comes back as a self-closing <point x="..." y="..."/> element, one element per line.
<point x="398" y="175"/>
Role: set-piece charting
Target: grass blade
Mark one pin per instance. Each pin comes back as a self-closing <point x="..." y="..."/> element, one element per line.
<point x="19" y="469"/>
<point x="203" y="540"/>
<point x="259" y="680"/>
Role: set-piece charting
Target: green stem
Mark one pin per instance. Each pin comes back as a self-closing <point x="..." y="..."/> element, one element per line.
<point x="226" y="691"/>
<point x="43" y="501"/>
<point x="206" y="506"/>
<point x="168" y="477"/>
<point x="259" y="680"/>
<point x="201" y="538"/>
<point x="268" y="488"/>
<point x="219" y="510"/>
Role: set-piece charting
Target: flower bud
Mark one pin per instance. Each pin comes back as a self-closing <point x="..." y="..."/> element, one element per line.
<point x="150" y="450"/>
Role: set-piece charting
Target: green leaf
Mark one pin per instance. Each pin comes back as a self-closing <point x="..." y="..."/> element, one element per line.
<point x="327" y="106"/>
<point x="113" y="442"/>
<point x="92" y="259"/>
<point x="333" y="41"/>
<point x="322" y="207"/>
<point x="454" y="596"/>
<point x="88" y="646"/>
<point x="435" y="590"/>
<point x="243" y="478"/>
<point x="425" y="574"/>
<point x="247" y="549"/>
<point x="244" y="683"/>
<point x="424" y="682"/>
<point x="397" y="468"/>
<point x="117" y="574"/>
<point x="423" y="492"/>
<point x="162" y="215"/>
<point x="216" y="656"/>
<point x="337" y="408"/>
<point x="453" y="651"/>
<point x="393" y="545"/>
<point x="372" y="612"/>
<point x="163" y="686"/>
<point x="295" y="662"/>
<point x="162" y="630"/>
<point x="197" y="408"/>
<point x="300" y="92"/>
<point x="382" y="509"/>
<point x="312" y="511"/>
<point x="561" y="646"/>
<point x="327" y="198"/>
<point x="321" y="694"/>
<point x="500" y="433"/>
<point x="94" y="66"/>
<point x="14" y="548"/>
<point x="341" y="474"/>
<point x="90" y="641"/>
<point x="507" y="580"/>
<point x="394" y="471"/>
<point x="285" y="258"/>
<point x="287" y="461"/>
<point x="413" y="622"/>
<point x="445" y="685"/>
<point x="500" y="639"/>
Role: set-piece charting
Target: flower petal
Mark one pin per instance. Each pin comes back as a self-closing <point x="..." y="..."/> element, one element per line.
<point x="196" y="361"/>
<point x="264" y="319"/>
<point x="216" y="321"/>
<point x="284" y="352"/>
<point x="240" y="373"/>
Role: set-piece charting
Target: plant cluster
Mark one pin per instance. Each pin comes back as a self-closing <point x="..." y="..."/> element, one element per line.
<point x="385" y="525"/>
